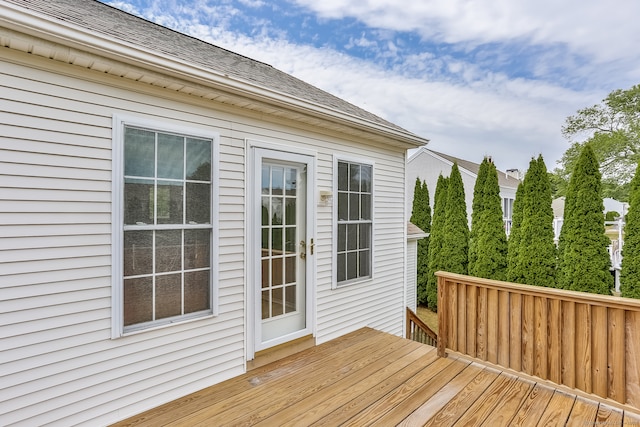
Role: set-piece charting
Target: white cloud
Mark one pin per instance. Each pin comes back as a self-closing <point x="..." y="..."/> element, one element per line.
<point x="461" y="107"/>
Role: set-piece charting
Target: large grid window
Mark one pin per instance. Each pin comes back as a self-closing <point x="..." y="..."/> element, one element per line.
<point x="167" y="228"/>
<point x="354" y="221"/>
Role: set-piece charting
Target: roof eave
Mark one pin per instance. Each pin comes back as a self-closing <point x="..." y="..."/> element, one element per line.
<point x="69" y="36"/>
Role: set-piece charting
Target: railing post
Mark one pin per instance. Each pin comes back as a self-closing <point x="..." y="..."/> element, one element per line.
<point x="442" y="323"/>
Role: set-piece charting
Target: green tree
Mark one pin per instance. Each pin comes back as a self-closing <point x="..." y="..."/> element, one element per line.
<point x="537" y="251"/>
<point x="436" y="240"/>
<point x="584" y="262"/>
<point x="513" y="244"/>
<point x="491" y="240"/>
<point x="421" y="216"/>
<point x="612" y="128"/>
<point x="477" y="208"/>
<point x="455" y="248"/>
<point x="630" y="274"/>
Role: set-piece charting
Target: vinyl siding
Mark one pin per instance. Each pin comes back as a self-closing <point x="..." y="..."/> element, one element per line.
<point x="412" y="271"/>
<point x="55" y="247"/>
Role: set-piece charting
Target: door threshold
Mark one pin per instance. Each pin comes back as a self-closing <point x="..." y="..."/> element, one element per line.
<point x="280" y="351"/>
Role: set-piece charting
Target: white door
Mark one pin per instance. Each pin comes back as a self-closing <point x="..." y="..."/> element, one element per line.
<point x="282" y="220"/>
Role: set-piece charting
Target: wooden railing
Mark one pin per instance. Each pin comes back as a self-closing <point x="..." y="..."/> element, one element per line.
<point x="584" y="341"/>
<point x="418" y="331"/>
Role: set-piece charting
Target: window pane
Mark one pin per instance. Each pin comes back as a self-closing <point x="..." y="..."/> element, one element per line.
<point x="342" y="267"/>
<point x="277" y="272"/>
<point x="196" y="291"/>
<point x="198" y="159"/>
<point x="354" y="177"/>
<point x="198" y="203"/>
<point x="139" y="152"/>
<point x="290" y="269"/>
<point x="343" y="176"/>
<point x="352" y="265"/>
<point x="290" y="183"/>
<point x="138" y="201"/>
<point x="365" y="236"/>
<point x="168" y="250"/>
<point x="343" y="206"/>
<point x="352" y="237"/>
<point x="342" y="237"/>
<point x="290" y="299"/>
<point x="290" y="240"/>
<point x="138" y="253"/>
<point x="365" y="179"/>
<point x="169" y="202"/>
<point x="265" y="241"/>
<point x="266" y="303"/>
<point x="266" y="179"/>
<point x="197" y="245"/>
<point x="354" y="206"/>
<point x="364" y="267"/>
<point x="265" y="210"/>
<point x="170" y="156"/>
<point x="168" y="296"/>
<point x="138" y="300"/>
<point x="277" y="302"/>
<point x="290" y="213"/>
<point x="276" y="241"/>
<point x="276" y="210"/>
<point x="277" y="180"/>
<point x="365" y="205"/>
<point x="265" y="273"/>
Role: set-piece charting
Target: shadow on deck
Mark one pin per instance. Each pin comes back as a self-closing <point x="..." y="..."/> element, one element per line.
<point x="372" y="378"/>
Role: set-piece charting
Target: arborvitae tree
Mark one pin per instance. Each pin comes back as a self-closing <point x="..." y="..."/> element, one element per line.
<point x="421" y="216"/>
<point x="436" y="241"/>
<point x="491" y="239"/>
<point x="537" y="253"/>
<point x="455" y="248"/>
<point x="630" y="274"/>
<point x="513" y="247"/>
<point x="477" y="208"/>
<point x="585" y="260"/>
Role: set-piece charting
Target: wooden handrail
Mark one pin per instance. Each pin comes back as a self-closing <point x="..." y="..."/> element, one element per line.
<point x="583" y="341"/>
<point x="417" y="330"/>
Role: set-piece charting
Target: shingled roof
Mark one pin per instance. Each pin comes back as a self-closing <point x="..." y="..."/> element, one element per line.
<point x="102" y="19"/>
<point x="504" y="179"/>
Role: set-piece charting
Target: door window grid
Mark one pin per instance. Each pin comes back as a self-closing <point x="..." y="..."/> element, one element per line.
<point x="279" y="240"/>
<point x="167" y="227"/>
<point x="354" y="221"/>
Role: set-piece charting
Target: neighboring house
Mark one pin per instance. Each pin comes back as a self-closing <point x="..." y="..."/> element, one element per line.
<point x="414" y="233"/>
<point x="610" y="205"/>
<point x="428" y="165"/>
<point x="170" y="210"/>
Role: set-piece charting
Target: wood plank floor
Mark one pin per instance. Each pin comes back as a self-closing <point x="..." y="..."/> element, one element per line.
<point x="373" y="378"/>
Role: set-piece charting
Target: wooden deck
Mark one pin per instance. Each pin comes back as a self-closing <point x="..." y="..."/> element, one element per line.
<point x="373" y="378"/>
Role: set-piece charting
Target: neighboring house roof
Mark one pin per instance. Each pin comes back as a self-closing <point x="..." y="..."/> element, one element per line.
<point x="504" y="179"/>
<point x="415" y="232"/>
<point x="98" y="28"/>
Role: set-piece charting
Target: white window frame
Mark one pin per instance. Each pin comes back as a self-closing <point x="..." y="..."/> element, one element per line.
<point x="359" y="280"/>
<point x="117" y="220"/>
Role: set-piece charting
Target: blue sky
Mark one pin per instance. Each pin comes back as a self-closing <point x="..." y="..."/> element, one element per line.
<point x="476" y="77"/>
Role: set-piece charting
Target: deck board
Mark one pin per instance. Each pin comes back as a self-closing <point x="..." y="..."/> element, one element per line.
<point x="377" y="379"/>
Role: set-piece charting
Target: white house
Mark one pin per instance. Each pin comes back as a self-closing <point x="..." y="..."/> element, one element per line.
<point x="170" y="210"/>
<point x="428" y="165"/>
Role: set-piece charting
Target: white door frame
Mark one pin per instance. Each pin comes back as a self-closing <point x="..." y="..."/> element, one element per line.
<point x="256" y="151"/>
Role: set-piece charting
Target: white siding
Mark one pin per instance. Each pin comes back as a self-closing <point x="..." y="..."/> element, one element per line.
<point x="55" y="225"/>
<point x="412" y="272"/>
<point x="59" y="364"/>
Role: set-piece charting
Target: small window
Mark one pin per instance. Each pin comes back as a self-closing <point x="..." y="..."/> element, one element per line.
<point x="354" y="221"/>
<point x="165" y="235"/>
